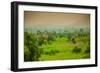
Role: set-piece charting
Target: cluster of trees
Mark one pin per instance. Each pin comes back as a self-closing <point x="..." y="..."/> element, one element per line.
<point x="31" y="50"/>
<point x="33" y="43"/>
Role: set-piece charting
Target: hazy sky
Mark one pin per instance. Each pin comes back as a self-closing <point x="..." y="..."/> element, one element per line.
<point x="55" y="19"/>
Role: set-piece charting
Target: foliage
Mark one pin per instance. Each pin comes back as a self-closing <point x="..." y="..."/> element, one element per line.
<point x="76" y="50"/>
<point x="31" y="50"/>
<point x="54" y="45"/>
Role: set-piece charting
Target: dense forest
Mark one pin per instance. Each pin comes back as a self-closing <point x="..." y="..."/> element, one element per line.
<point x="49" y="45"/>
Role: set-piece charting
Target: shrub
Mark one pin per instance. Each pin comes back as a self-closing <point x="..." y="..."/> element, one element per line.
<point x="87" y="50"/>
<point x="73" y="40"/>
<point x="52" y="52"/>
<point x="76" y="50"/>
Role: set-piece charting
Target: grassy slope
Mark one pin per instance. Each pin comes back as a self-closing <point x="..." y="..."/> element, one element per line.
<point x="65" y="48"/>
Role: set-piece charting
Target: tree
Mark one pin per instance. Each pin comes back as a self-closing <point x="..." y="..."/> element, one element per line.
<point x="73" y="40"/>
<point x="31" y="49"/>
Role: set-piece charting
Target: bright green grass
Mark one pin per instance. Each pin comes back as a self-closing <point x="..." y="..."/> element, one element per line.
<point x="65" y="48"/>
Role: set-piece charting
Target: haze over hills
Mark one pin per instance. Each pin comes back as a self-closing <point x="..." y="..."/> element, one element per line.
<point x="54" y="20"/>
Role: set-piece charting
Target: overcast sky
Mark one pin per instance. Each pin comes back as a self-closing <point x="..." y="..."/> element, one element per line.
<point x="55" y="19"/>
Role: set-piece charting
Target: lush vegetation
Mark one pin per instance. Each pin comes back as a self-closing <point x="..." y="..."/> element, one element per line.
<point x="56" y="45"/>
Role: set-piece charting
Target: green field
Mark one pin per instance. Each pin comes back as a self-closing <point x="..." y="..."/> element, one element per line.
<point x="53" y="45"/>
